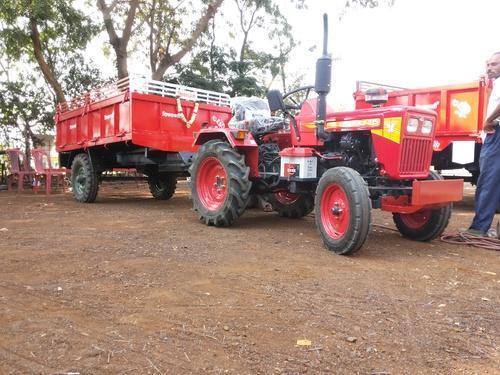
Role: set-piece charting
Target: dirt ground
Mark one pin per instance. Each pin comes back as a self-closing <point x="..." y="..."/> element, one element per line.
<point x="130" y="285"/>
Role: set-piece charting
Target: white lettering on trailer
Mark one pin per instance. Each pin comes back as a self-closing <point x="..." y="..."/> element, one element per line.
<point x="72" y="126"/>
<point x="171" y="115"/>
<point x="462" y="108"/>
<point x="109" y="117"/>
<point x="218" y="122"/>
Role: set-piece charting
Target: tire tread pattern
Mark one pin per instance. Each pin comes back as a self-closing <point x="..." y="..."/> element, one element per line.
<point x="357" y="193"/>
<point x="91" y="179"/>
<point x="239" y="184"/>
<point x="162" y="186"/>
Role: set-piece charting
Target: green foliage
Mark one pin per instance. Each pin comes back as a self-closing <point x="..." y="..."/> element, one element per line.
<point x="25" y="110"/>
<point x="26" y="102"/>
<point x="63" y="29"/>
<point x="251" y="67"/>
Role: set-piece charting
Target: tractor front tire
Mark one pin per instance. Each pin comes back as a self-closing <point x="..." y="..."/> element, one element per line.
<point x="84" y="179"/>
<point x="220" y="186"/>
<point x="162" y="185"/>
<point x="342" y="210"/>
<point x="291" y="205"/>
<point x="426" y="224"/>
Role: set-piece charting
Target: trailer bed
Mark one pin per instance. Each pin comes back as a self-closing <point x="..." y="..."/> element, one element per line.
<point x="140" y="111"/>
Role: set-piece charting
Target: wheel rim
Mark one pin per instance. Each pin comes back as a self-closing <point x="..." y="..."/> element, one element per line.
<point x="211" y="183"/>
<point x="416" y="220"/>
<point x="285" y="197"/>
<point x="335" y="214"/>
<point x="79" y="181"/>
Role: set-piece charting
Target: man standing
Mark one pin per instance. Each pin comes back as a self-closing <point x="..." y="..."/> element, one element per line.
<point x="488" y="184"/>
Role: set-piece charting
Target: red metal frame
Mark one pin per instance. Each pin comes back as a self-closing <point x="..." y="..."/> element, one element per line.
<point x="142" y="119"/>
<point x="425" y="194"/>
<point x="247" y="146"/>
<point x="461" y="108"/>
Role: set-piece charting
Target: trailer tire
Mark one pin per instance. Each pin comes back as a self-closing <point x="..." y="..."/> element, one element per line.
<point x="426" y="224"/>
<point x="342" y="210"/>
<point x="291" y="205"/>
<point x="84" y="179"/>
<point x="220" y="185"/>
<point x="162" y="185"/>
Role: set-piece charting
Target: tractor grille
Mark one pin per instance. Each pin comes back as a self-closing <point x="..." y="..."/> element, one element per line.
<point x="415" y="155"/>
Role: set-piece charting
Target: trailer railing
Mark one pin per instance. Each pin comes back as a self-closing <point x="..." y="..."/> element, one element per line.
<point x="148" y="86"/>
<point x="362" y="86"/>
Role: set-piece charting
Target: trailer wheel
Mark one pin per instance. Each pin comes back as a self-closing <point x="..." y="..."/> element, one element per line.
<point x="342" y="210"/>
<point x="426" y="224"/>
<point x="219" y="183"/>
<point x="291" y="205"/>
<point x="162" y="185"/>
<point x="84" y="179"/>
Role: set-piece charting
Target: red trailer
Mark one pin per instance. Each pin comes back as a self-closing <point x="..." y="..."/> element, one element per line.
<point x="135" y="123"/>
<point x="461" y="111"/>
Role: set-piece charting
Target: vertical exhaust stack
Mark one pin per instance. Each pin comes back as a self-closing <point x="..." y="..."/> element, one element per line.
<point x="323" y="82"/>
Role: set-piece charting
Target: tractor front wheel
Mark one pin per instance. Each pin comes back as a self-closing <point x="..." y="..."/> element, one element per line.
<point x="342" y="210"/>
<point x="291" y="205"/>
<point x="219" y="183"/>
<point x="84" y="179"/>
<point x="426" y="224"/>
<point x="162" y="185"/>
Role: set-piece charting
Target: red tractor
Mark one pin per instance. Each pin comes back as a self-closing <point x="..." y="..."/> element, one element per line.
<point x="341" y="165"/>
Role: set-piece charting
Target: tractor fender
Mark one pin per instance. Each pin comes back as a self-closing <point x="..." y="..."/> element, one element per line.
<point x="247" y="146"/>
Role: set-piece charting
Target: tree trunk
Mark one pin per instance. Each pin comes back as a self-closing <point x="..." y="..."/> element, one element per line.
<point x="283" y="77"/>
<point x="119" y="43"/>
<point x="47" y="71"/>
<point x="121" y="61"/>
<point x="27" y="143"/>
<point x="168" y="59"/>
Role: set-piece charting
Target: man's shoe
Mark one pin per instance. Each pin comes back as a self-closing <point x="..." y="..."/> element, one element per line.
<point x="475" y="232"/>
<point x="492" y="233"/>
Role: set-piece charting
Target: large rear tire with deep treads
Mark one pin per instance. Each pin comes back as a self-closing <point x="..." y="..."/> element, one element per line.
<point x="84" y="179"/>
<point x="291" y="205"/>
<point x="342" y="210"/>
<point x="162" y="185"/>
<point x="426" y="224"/>
<point x="219" y="184"/>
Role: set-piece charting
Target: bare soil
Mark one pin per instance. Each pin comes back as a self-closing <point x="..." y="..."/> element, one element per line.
<point x="131" y="285"/>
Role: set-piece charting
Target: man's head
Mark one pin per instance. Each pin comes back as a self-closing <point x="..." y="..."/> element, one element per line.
<point x="493" y="66"/>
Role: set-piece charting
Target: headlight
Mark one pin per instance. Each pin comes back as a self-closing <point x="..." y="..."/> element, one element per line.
<point x="412" y="125"/>
<point x="427" y="127"/>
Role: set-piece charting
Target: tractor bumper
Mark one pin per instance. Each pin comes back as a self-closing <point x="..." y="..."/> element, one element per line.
<point x="425" y="194"/>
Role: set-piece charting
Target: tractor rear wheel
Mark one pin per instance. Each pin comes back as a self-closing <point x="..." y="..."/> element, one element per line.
<point x="219" y="183"/>
<point x="426" y="224"/>
<point x="162" y="185"/>
<point x="291" y="205"/>
<point x="342" y="210"/>
<point x="84" y="179"/>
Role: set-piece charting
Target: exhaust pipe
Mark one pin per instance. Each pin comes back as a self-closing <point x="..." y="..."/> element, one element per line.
<point x="323" y="83"/>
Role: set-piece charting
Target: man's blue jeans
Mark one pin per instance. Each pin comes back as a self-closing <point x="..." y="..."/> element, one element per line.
<point x="488" y="184"/>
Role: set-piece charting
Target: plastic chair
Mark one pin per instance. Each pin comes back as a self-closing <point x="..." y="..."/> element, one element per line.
<point x="43" y="169"/>
<point x="19" y="169"/>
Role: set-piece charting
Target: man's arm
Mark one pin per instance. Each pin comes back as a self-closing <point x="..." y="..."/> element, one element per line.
<point x="489" y="124"/>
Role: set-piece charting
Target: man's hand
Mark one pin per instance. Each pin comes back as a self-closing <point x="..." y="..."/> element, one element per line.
<point x="489" y="126"/>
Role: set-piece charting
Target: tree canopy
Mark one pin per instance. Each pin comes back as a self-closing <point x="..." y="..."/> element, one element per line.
<point x="212" y="44"/>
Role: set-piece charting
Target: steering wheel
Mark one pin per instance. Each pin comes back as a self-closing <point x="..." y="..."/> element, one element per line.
<point x="297" y="97"/>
